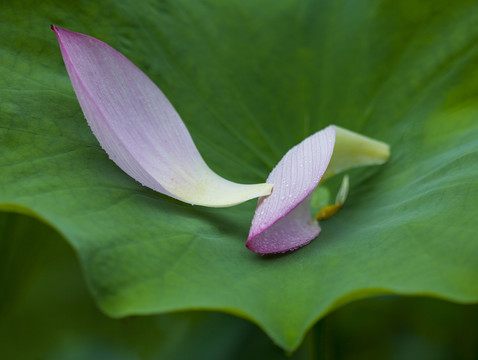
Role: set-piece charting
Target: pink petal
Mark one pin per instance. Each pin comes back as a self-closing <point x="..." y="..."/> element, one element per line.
<point x="294" y="230"/>
<point x="282" y="220"/>
<point x="139" y="128"/>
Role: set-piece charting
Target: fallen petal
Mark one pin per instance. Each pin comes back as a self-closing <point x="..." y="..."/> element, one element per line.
<point x="294" y="178"/>
<point x="138" y="127"/>
<point x="282" y="221"/>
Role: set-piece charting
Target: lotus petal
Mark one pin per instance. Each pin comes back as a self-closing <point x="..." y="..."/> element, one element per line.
<point x="282" y="221"/>
<point x="294" y="178"/>
<point x="139" y="128"/>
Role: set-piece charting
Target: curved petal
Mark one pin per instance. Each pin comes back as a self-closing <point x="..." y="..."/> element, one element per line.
<point x="282" y="221"/>
<point x="139" y="128"/>
<point x="294" y="178"/>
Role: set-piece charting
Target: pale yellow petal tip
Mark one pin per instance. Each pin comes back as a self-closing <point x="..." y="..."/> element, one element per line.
<point x="247" y="192"/>
<point x="380" y="151"/>
<point x="265" y="189"/>
<point x="352" y="150"/>
<point x="361" y="145"/>
<point x="223" y="193"/>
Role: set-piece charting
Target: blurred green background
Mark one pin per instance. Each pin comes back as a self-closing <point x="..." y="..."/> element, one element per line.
<point x="46" y="312"/>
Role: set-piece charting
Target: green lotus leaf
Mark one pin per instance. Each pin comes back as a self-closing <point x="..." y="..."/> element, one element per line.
<point x="250" y="80"/>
